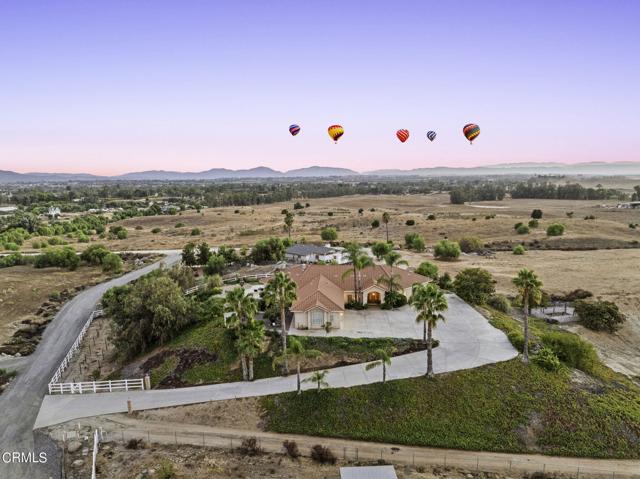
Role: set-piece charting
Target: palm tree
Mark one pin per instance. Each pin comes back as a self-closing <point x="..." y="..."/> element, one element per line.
<point x="359" y="260"/>
<point x="281" y="292"/>
<point x="297" y="353"/>
<point x="392" y="281"/>
<point x="528" y="286"/>
<point x="429" y="301"/>
<point x="384" y="359"/>
<point x="288" y="222"/>
<point x="250" y="343"/>
<point x="318" y="377"/>
<point x="243" y="308"/>
<point x="385" y="219"/>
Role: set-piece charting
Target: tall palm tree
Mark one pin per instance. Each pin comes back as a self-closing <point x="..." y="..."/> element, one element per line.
<point x="392" y="258"/>
<point x="243" y="308"/>
<point x="288" y="222"/>
<point x="250" y="343"/>
<point x="384" y="359"/>
<point x="298" y="353"/>
<point x="318" y="377"/>
<point x="385" y="219"/>
<point x="281" y="292"/>
<point x="429" y="301"/>
<point x="359" y="260"/>
<point x="528" y="286"/>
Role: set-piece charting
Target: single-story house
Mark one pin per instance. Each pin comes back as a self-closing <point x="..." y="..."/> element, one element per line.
<point x="323" y="291"/>
<point x="311" y="253"/>
<point x="368" y="472"/>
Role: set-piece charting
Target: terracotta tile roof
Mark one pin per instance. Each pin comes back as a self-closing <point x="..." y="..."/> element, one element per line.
<point x="324" y="285"/>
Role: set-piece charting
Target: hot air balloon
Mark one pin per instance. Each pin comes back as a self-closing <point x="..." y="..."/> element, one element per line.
<point x="471" y="131"/>
<point x="403" y="135"/>
<point x="294" y="129"/>
<point x="431" y="135"/>
<point x="335" y="132"/>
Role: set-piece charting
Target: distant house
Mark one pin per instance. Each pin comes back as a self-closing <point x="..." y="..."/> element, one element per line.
<point x="53" y="212"/>
<point x="323" y="290"/>
<point x="311" y="253"/>
<point x="368" y="472"/>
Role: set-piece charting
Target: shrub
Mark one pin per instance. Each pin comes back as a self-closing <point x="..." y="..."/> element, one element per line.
<point x="534" y="223"/>
<point x="94" y="254"/>
<point x="122" y="234"/>
<point x="139" y="228"/>
<point x="329" y="234"/>
<point x="572" y="350"/>
<point x="380" y="249"/>
<point x="446" y="249"/>
<point x="536" y="214"/>
<point x="196" y="232"/>
<point x="599" y="315"/>
<point x="445" y="282"/>
<point x="11" y="246"/>
<point x="418" y="244"/>
<point x="470" y="244"/>
<point x="134" y="444"/>
<point x="330" y="213"/>
<point x="576" y="294"/>
<point x="519" y="249"/>
<point x="410" y="222"/>
<point x="589" y="217"/>
<point x="375" y="223"/>
<point x="181" y="225"/>
<point x="431" y="217"/>
<point x="499" y="302"/>
<point x="155" y="231"/>
<point x="547" y="359"/>
<point x="291" y="447"/>
<point x="250" y="447"/>
<point x="297" y="206"/>
<point x="215" y="265"/>
<point x="166" y="470"/>
<point x="522" y="230"/>
<point x="394" y="300"/>
<point x="112" y="263"/>
<point x="474" y="285"/>
<point x="428" y="269"/>
<point x="555" y="229"/>
<point x="322" y="455"/>
<point x="64" y="257"/>
<point x="517" y="225"/>
<point x="271" y="249"/>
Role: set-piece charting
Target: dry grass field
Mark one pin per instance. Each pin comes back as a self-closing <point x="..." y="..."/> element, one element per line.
<point x="23" y="289"/>
<point x="245" y="225"/>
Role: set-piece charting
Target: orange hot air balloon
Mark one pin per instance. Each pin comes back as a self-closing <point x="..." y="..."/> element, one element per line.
<point x="336" y="132"/>
<point x="403" y="135"/>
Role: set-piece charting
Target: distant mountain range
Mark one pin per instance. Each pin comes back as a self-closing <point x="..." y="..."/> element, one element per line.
<point x="592" y="168"/>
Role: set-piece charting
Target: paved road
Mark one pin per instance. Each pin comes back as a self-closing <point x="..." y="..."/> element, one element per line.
<point x="14" y="364"/>
<point x="468" y="341"/>
<point x="21" y="401"/>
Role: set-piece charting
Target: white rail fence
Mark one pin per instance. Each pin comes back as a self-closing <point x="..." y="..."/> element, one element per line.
<point x="57" y="387"/>
<point x="97" y="386"/>
<point x="75" y="346"/>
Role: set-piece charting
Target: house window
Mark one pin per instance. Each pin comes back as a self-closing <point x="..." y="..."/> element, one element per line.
<point x="317" y="318"/>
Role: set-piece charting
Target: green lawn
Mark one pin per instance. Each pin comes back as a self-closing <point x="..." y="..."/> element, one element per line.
<point x="509" y="407"/>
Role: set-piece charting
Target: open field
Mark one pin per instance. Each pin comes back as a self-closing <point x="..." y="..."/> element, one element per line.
<point x="246" y="225"/>
<point x="24" y="289"/>
<point x="608" y="274"/>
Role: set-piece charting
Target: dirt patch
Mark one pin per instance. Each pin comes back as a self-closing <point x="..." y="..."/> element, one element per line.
<point x="237" y="414"/>
<point x="187" y="358"/>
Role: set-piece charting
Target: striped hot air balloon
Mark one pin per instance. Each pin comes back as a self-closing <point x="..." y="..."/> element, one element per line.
<point x="431" y="135"/>
<point x="403" y="135"/>
<point x="294" y="129"/>
<point x="336" y="132"/>
<point x="471" y="132"/>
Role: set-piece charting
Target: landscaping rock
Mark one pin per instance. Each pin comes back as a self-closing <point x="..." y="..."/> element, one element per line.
<point x="74" y="446"/>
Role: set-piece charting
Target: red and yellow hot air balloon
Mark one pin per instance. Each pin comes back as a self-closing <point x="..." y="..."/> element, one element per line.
<point x="471" y="132"/>
<point x="336" y="132"/>
<point x="403" y="135"/>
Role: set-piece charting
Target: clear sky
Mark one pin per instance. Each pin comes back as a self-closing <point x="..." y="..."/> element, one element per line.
<point x="117" y="86"/>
